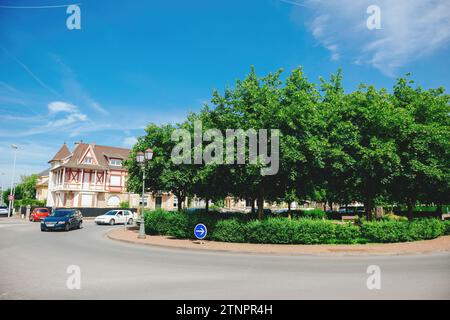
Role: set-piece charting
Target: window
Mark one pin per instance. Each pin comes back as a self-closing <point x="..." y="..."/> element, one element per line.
<point x="175" y="202"/>
<point x="113" y="201"/>
<point x="116" y="181"/>
<point x="87" y="160"/>
<point x="86" y="200"/>
<point x="115" y="162"/>
<point x="145" y="201"/>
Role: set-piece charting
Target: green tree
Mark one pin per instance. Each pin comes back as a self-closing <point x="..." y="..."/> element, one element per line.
<point x="251" y="105"/>
<point x="374" y="157"/>
<point x="423" y="145"/>
<point x="161" y="173"/>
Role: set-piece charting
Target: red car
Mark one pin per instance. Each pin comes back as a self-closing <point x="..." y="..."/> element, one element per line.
<point x="39" y="214"/>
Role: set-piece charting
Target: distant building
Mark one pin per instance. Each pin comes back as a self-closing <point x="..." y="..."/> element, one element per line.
<point x="42" y="185"/>
<point x="94" y="176"/>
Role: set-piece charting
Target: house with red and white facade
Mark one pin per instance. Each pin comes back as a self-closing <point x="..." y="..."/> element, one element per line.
<point x="94" y="176"/>
<point x="90" y="176"/>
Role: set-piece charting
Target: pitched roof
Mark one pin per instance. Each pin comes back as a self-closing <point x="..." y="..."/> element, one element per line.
<point x="101" y="153"/>
<point x="63" y="152"/>
<point x="44" y="173"/>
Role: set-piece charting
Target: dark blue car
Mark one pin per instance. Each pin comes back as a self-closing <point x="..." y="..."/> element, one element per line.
<point x="63" y="219"/>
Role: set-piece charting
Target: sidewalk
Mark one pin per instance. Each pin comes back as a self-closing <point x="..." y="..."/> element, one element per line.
<point x="441" y="244"/>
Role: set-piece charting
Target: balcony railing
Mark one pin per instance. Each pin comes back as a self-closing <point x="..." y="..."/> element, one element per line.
<point x="78" y="187"/>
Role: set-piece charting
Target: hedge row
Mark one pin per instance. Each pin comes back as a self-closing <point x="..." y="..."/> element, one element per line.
<point x="229" y="228"/>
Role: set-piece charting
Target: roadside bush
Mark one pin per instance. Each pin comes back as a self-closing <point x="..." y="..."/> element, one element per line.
<point x="29" y="202"/>
<point x="313" y="214"/>
<point x="394" y="217"/>
<point x="229" y="231"/>
<point x="400" y="231"/>
<point x="348" y="234"/>
<point x="447" y="227"/>
<point x="300" y="231"/>
<point x="158" y="222"/>
<point x="272" y="230"/>
<point x="308" y="231"/>
<point x="124" y="205"/>
<point x="424" y="229"/>
<point x="237" y="228"/>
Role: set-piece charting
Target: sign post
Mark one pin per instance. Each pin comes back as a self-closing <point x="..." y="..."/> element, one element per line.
<point x="200" y="231"/>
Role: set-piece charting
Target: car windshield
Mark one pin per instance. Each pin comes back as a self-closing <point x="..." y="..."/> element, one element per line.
<point x="62" y="213"/>
<point x="111" y="213"/>
<point x="42" y="210"/>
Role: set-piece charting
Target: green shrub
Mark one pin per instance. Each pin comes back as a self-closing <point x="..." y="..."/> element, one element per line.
<point x="237" y="228"/>
<point x="307" y="231"/>
<point x="124" y="205"/>
<point x="229" y="231"/>
<point x="423" y="229"/>
<point x="158" y="222"/>
<point x="447" y="227"/>
<point x="272" y="230"/>
<point x="348" y="234"/>
<point x="29" y="202"/>
<point x="394" y="217"/>
<point x="313" y="214"/>
<point x="400" y="231"/>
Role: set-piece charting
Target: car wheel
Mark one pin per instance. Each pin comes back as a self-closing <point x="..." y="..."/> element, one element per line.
<point x="43" y="229"/>
<point x="80" y="224"/>
<point x="112" y="222"/>
<point x="67" y="227"/>
<point x="130" y="221"/>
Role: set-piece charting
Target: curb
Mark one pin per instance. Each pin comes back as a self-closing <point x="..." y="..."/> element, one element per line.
<point x="337" y="251"/>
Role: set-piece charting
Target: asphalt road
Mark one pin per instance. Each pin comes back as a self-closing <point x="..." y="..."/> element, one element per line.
<point x="33" y="265"/>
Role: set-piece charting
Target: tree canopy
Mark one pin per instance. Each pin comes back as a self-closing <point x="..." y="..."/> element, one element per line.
<point x="369" y="145"/>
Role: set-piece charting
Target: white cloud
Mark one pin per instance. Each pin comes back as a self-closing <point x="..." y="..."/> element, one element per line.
<point x="129" y="141"/>
<point x="73" y="116"/>
<point x="410" y="30"/>
<point x="60" y="106"/>
<point x="75" y="89"/>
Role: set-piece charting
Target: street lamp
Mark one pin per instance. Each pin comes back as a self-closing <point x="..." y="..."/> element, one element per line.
<point x="13" y="188"/>
<point x="3" y="187"/>
<point x="142" y="158"/>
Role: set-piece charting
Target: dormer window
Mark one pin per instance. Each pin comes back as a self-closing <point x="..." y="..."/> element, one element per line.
<point x="115" y="162"/>
<point x="87" y="160"/>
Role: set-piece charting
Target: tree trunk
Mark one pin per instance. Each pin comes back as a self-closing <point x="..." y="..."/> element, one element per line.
<point x="289" y="211"/>
<point x="410" y="209"/>
<point x="180" y="203"/>
<point x="253" y="206"/>
<point x="260" y="202"/>
<point x="368" y="207"/>
<point x="207" y="205"/>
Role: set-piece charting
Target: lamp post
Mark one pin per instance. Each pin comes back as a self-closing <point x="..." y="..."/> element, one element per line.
<point x="3" y="187"/>
<point x="13" y="188"/>
<point x="142" y="158"/>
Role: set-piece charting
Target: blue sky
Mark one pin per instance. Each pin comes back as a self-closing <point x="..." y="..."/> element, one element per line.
<point x="135" y="62"/>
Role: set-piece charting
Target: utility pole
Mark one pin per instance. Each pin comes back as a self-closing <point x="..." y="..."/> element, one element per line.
<point x="3" y="187"/>
<point x="13" y="187"/>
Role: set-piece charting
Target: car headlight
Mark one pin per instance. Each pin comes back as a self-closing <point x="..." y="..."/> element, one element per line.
<point x="61" y="222"/>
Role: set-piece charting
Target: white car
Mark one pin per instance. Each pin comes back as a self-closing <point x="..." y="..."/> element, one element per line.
<point x="3" y="210"/>
<point x="113" y="217"/>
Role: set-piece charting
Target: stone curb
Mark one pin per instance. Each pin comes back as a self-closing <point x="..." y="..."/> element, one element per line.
<point x="439" y="245"/>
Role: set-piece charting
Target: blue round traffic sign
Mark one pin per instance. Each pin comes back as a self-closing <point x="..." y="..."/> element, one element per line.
<point x="200" y="231"/>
